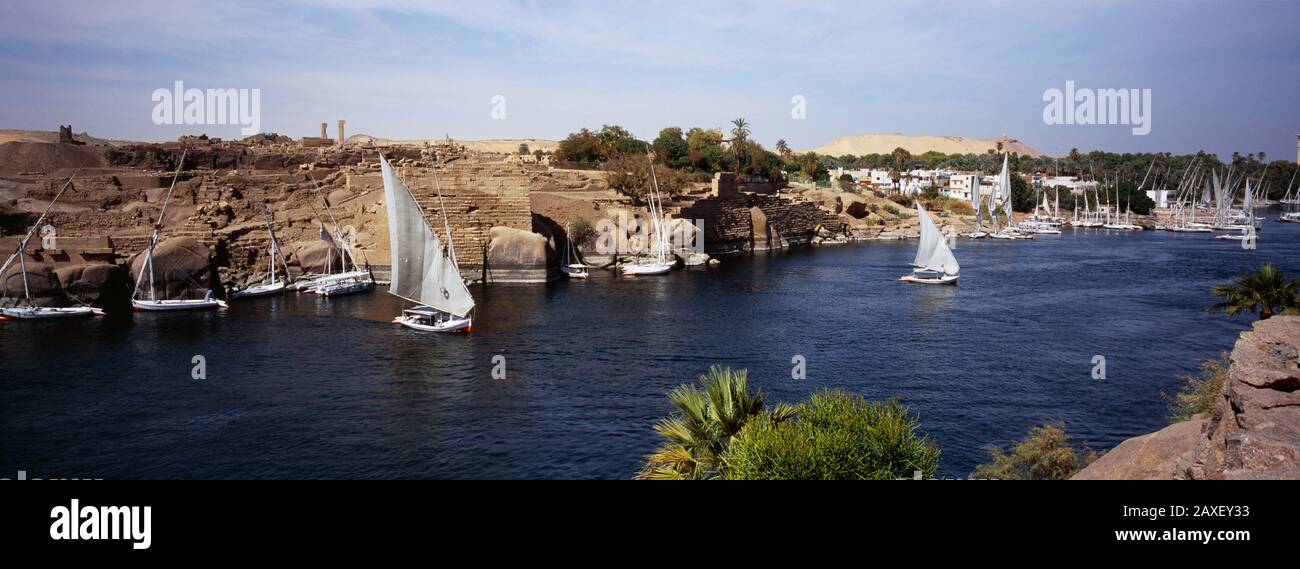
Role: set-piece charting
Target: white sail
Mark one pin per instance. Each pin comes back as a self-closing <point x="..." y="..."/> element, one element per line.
<point x="423" y="270"/>
<point x="933" y="253"/>
<point x="1004" y="183"/>
<point x="975" y="195"/>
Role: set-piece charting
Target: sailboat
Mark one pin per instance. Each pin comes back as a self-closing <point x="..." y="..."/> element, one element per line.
<point x="30" y="312"/>
<point x="272" y="284"/>
<point x="979" y="232"/>
<point x="659" y="262"/>
<point x="424" y="270"/>
<point x="153" y="304"/>
<point x="573" y="267"/>
<point x="345" y="281"/>
<point x="1003" y="193"/>
<point x="934" y="262"/>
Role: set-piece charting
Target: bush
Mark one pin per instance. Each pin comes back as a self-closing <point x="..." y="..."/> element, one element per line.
<point x="579" y="231"/>
<point x="1200" y="393"/>
<point x="833" y="436"/>
<point x="1045" y="454"/>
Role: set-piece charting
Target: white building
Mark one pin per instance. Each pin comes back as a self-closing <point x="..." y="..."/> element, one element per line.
<point x="1068" y="182"/>
<point x="959" y="186"/>
<point x="1161" y="197"/>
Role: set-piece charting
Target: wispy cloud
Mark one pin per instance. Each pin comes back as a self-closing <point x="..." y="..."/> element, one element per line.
<point x="410" y="68"/>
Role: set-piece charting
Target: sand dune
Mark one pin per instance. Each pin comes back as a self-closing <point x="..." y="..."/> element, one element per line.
<point x="12" y="135"/>
<point x="862" y="144"/>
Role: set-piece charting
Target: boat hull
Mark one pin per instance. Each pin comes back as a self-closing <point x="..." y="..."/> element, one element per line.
<point x="176" y="305"/>
<point x="50" y="313"/>
<point x="446" y="326"/>
<point x="342" y="289"/>
<point x="941" y="280"/>
<point x="261" y="290"/>
<point x="649" y="269"/>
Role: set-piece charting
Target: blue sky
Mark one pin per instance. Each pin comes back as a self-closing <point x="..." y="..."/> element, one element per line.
<point x="1224" y="76"/>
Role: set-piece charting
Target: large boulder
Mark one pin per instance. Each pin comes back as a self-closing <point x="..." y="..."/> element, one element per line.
<point x="764" y="236"/>
<point x="182" y="268"/>
<point x="1154" y="456"/>
<point x="102" y="285"/>
<point x="314" y="257"/>
<point x="1254" y="432"/>
<point x="42" y="285"/>
<point x="518" y="256"/>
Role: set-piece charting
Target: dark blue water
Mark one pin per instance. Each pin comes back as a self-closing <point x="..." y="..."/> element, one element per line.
<point x="306" y="388"/>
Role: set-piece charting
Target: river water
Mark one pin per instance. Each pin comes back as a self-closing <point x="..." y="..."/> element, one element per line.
<point x="302" y="387"/>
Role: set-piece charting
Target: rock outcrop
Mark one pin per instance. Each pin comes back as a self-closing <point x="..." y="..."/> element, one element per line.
<point x="42" y="285"/>
<point x="1154" y="456"/>
<point x="101" y="285"/>
<point x="182" y="268"/>
<point x="1253" y="432"/>
<point x="518" y="256"/>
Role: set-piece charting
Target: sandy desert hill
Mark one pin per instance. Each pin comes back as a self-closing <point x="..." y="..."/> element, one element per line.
<point x="862" y="144"/>
<point x="51" y="136"/>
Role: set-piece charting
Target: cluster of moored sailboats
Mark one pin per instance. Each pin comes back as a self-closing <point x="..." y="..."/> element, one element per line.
<point x="350" y="278"/>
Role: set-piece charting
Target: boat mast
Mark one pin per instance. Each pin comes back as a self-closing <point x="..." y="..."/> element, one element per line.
<point x="157" y="229"/>
<point x="22" y="245"/>
<point x="442" y="208"/>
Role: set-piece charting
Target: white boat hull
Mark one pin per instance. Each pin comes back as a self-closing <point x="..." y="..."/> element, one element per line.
<point x="260" y="290"/>
<point x="647" y="269"/>
<point x="176" y="305"/>
<point x="575" y="271"/>
<point x="34" y="313"/>
<point x="939" y="280"/>
<point x="452" y="324"/>
<point x="341" y="289"/>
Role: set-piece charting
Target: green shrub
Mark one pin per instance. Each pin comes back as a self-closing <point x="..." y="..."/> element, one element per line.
<point x="1200" y="393"/>
<point x="1045" y="454"/>
<point x="833" y="436"/>
<point x="706" y="420"/>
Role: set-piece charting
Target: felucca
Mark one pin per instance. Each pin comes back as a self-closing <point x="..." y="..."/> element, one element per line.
<point x="27" y="311"/>
<point x="424" y="270"/>
<point x="934" y="262"/>
<point x="154" y="304"/>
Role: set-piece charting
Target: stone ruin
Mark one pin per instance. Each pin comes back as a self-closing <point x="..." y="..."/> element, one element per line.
<point x="65" y="135"/>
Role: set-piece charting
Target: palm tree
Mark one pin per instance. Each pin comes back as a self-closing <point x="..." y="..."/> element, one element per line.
<point x="1265" y="292"/>
<point x="783" y="148"/>
<point x="698" y="433"/>
<point x="739" y="137"/>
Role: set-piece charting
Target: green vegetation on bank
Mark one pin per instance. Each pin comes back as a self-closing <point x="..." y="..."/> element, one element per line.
<point x="1200" y="392"/>
<point x="1045" y="454"/>
<point x="700" y="151"/>
<point x="721" y="430"/>
<point x="833" y="435"/>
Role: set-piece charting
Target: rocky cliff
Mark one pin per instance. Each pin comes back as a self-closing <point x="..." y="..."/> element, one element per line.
<point x="1252" y="433"/>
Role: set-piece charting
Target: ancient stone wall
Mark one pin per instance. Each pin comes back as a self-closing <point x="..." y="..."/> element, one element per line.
<point x="477" y="196"/>
<point x="731" y="225"/>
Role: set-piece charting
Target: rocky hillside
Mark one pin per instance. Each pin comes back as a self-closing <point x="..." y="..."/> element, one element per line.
<point x="1252" y="433"/>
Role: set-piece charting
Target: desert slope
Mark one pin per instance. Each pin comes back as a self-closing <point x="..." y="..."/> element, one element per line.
<point x="862" y="144"/>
